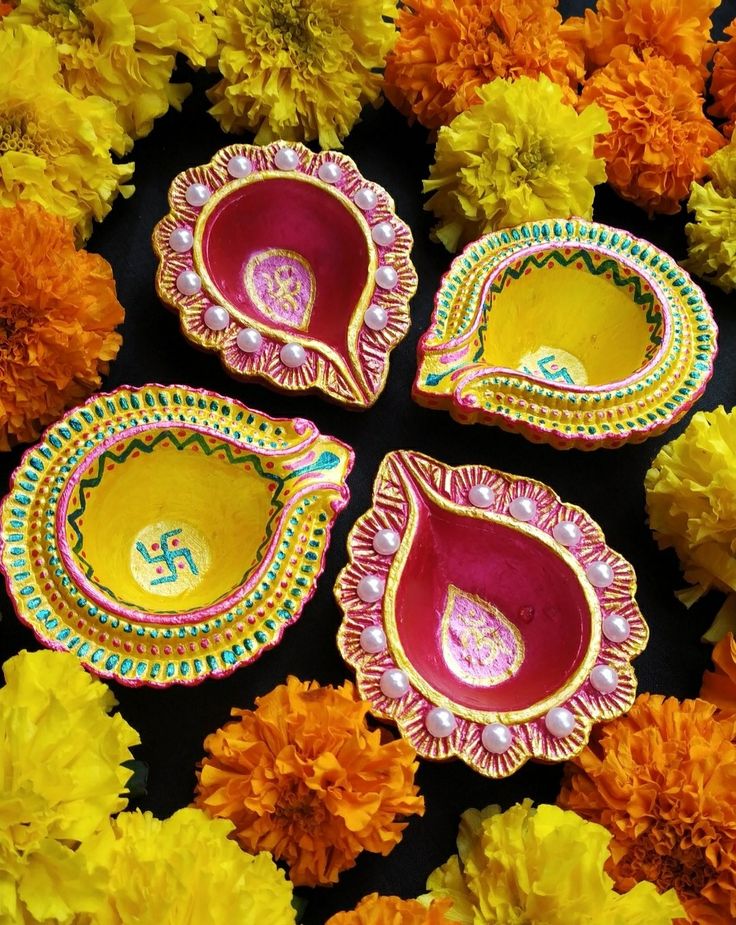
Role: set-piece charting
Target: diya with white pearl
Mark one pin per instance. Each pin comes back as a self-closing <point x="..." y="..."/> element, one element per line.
<point x="484" y="616"/>
<point x="569" y="332"/>
<point x="165" y="534"/>
<point x="290" y="265"/>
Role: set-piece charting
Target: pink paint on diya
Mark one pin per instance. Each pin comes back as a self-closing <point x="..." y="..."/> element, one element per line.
<point x="290" y="265"/>
<point x="486" y="617"/>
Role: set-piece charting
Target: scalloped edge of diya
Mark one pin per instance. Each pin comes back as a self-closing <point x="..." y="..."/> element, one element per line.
<point x="159" y="650"/>
<point x="643" y="405"/>
<point x="251" y="349"/>
<point x="493" y="743"/>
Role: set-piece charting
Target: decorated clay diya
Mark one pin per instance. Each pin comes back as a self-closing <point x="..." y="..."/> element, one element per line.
<point x="488" y="619"/>
<point x="568" y="332"/>
<point x="164" y="534"/>
<point x="290" y="265"/>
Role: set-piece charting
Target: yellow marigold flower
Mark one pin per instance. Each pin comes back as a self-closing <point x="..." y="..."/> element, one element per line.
<point x="55" y="148"/>
<point x="185" y="871"/>
<point x="520" y="154"/>
<point x="390" y="910"/>
<point x="61" y="777"/>
<point x="302" y="776"/>
<point x="447" y="50"/>
<point x="124" y="50"/>
<point x="719" y="686"/>
<point x="691" y="502"/>
<point x="299" y="69"/>
<point x="661" y="780"/>
<point x="540" y="865"/>
<point x="711" y="237"/>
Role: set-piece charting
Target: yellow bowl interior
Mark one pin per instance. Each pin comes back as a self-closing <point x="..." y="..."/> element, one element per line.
<point x="173" y="521"/>
<point x="571" y="316"/>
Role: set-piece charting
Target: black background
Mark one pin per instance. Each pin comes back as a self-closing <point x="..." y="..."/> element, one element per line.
<point x="607" y="483"/>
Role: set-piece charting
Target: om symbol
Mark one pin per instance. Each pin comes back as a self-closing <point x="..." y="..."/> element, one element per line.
<point x="281" y="285"/>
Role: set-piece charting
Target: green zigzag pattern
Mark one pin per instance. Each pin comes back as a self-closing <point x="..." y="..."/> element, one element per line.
<point x="541" y="260"/>
<point x="136" y="443"/>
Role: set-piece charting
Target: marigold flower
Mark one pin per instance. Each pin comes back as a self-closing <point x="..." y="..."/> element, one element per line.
<point x="711" y="237"/>
<point x="55" y="148"/>
<point x="448" y="49"/>
<point x="539" y="865"/>
<point x="61" y="776"/>
<point x="520" y="154"/>
<point x="390" y="910"/>
<point x="299" y="69"/>
<point x="719" y="686"/>
<point x="659" y="138"/>
<point x="302" y="776"/>
<point x="691" y="501"/>
<point x="723" y="80"/>
<point x="678" y="30"/>
<point x="124" y="51"/>
<point x="58" y="312"/>
<point x="185" y="871"/>
<point x="660" y="779"/>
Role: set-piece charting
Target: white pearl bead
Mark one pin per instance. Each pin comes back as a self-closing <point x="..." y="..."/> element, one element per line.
<point x="249" y="340"/>
<point x="293" y="355"/>
<point x="188" y="282"/>
<point x="496" y="738"/>
<point x="370" y="589"/>
<point x="373" y="640"/>
<point x="329" y="172"/>
<point x="216" y="318"/>
<point x="376" y="318"/>
<point x="387" y="277"/>
<point x="600" y="574"/>
<point x="523" y="509"/>
<point x="181" y="240"/>
<point x="286" y="159"/>
<point x="197" y="194"/>
<point x="386" y="542"/>
<point x="567" y="533"/>
<point x="559" y="722"/>
<point x="239" y="166"/>
<point x="604" y="679"/>
<point x="440" y="723"/>
<point x="365" y="199"/>
<point x="383" y="234"/>
<point x="481" y="496"/>
<point x="616" y="629"/>
<point x="394" y="683"/>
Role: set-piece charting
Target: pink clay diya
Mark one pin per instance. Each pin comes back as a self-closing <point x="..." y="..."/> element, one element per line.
<point x="165" y="534"/>
<point x="485" y="617"/>
<point x="290" y="265"/>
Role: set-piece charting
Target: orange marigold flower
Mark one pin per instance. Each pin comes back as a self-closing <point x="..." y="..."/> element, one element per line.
<point x="390" y="910"/>
<point x="723" y="81"/>
<point x="678" y="30"/>
<point x="5" y="8"/>
<point x="659" y="138"/>
<point x="719" y="686"/>
<point x="661" y="780"/>
<point x="302" y="776"/>
<point x="58" y="312"/>
<point x="447" y="50"/>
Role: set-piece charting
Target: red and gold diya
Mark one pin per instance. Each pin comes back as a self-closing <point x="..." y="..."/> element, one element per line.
<point x="164" y="534"/>
<point x="568" y="332"/>
<point x="486" y="617"/>
<point x="290" y="265"/>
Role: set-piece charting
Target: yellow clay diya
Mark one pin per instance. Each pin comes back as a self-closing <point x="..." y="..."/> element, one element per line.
<point x="568" y="332"/>
<point x="485" y="617"/>
<point x="165" y="534"/>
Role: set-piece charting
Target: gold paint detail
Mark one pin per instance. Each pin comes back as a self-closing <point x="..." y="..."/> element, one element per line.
<point x="283" y="287"/>
<point x="476" y="636"/>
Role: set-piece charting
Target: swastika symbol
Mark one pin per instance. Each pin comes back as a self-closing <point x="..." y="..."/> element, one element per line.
<point x="168" y="556"/>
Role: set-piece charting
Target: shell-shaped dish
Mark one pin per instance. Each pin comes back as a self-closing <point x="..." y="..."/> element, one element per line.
<point x="164" y="534"/>
<point x="290" y="265"/>
<point x="485" y="617"/>
<point x="569" y="332"/>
